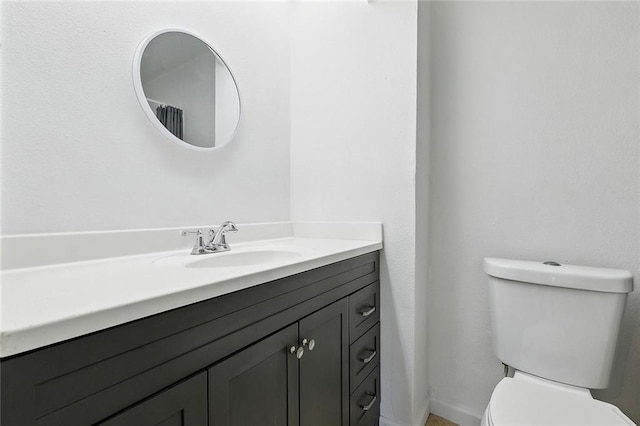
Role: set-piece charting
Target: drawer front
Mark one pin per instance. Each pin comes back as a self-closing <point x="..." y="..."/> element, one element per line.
<point x="365" y="401"/>
<point x="364" y="356"/>
<point x="364" y="310"/>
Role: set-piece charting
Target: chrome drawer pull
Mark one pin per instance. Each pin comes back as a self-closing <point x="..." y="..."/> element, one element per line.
<point x="366" y="360"/>
<point x="370" y="404"/>
<point x="368" y="312"/>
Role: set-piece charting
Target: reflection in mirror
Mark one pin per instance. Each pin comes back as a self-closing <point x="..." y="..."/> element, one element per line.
<point x="186" y="89"/>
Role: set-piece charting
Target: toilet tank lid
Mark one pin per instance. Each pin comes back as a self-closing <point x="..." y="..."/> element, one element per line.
<point x="560" y="275"/>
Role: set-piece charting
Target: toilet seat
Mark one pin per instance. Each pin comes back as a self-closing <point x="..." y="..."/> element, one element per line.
<point x="530" y="400"/>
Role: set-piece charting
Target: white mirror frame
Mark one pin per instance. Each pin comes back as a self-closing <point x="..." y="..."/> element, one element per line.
<point x="142" y="99"/>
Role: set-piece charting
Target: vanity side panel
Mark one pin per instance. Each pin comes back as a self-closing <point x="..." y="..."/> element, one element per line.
<point x="90" y="377"/>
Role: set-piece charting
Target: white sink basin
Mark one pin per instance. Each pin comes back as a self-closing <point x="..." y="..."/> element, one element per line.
<point x="236" y="259"/>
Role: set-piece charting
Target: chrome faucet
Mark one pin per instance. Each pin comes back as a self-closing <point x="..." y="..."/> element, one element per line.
<point x="218" y="241"/>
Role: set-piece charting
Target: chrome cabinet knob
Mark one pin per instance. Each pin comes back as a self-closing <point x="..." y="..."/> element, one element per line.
<point x="309" y="343"/>
<point x="297" y="351"/>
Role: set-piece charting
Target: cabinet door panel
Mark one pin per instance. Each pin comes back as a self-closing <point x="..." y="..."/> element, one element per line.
<point x="257" y="386"/>
<point x="324" y="387"/>
<point x="184" y="404"/>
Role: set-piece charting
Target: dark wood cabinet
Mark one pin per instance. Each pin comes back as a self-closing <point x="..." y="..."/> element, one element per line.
<point x="297" y="376"/>
<point x="324" y="370"/>
<point x="222" y="361"/>
<point x="257" y="386"/>
<point x="184" y="404"/>
<point x="365" y="407"/>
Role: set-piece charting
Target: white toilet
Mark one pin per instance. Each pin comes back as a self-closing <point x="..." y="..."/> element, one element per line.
<point x="556" y="326"/>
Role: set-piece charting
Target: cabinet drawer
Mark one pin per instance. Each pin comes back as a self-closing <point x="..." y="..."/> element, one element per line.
<point x="364" y="356"/>
<point x="365" y="401"/>
<point x="364" y="310"/>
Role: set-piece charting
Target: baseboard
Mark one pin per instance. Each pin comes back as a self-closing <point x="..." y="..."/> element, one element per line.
<point x="458" y="415"/>
<point x="425" y="413"/>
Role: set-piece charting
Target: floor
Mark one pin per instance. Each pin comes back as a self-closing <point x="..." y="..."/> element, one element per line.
<point x="434" y="420"/>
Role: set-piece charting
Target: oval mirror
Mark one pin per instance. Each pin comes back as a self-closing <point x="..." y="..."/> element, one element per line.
<point x="186" y="89"/>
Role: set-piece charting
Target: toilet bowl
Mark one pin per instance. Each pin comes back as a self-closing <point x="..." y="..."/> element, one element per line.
<point x="529" y="400"/>
<point x="557" y="327"/>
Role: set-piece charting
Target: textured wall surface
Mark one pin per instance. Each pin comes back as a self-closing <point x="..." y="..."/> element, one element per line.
<point x="423" y="150"/>
<point x="79" y="154"/>
<point x="353" y="158"/>
<point x="534" y="156"/>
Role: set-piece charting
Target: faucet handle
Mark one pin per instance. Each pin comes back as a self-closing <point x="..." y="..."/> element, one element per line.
<point x="199" y="246"/>
<point x="184" y="232"/>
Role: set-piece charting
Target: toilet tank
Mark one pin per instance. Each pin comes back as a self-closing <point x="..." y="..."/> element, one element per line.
<point x="559" y="322"/>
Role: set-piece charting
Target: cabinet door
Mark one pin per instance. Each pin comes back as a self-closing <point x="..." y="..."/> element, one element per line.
<point x="258" y="386"/>
<point x="184" y="404"/>
<point x="324" y="370"/>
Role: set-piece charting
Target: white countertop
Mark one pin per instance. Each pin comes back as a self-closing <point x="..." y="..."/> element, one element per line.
<point x="47" y="304"/>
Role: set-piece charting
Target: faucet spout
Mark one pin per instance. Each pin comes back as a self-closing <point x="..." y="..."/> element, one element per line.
<point x="218" y="240"/>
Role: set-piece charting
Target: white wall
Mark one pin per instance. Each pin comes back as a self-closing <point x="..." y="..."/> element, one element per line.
<point x="79" y="154"/>
<point x="353" y="103"/>
<point x="534" y="155"/>
<point x="423" y="145"/>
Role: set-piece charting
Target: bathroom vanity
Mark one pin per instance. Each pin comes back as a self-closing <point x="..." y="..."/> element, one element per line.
<point x="302" y="349"/>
